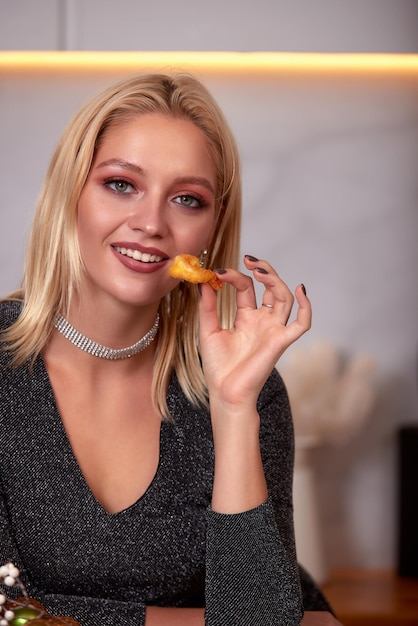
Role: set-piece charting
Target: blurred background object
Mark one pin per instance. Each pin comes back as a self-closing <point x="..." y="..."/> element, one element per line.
<point x="331" y="399"/>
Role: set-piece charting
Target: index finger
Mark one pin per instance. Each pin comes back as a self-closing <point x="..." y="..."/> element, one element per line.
<point x="244" y="286"/>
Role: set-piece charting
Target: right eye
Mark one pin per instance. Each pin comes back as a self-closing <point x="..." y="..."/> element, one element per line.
<point x="119" y="185"/>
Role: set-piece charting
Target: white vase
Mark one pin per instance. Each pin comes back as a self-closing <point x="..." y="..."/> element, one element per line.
<point x="307" y="519"/>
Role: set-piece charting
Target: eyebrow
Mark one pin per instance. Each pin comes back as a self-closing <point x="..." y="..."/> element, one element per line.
<point x="196" y="180"/>
<point x="187" y="180"/>
<point x="126" y="165"/>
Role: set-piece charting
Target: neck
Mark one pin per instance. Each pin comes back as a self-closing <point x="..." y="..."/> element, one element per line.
<point x="108" y="320"/>
<point x="96" y="349"/>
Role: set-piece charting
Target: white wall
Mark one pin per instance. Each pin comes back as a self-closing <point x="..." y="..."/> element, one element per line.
<point x="330" y="181"/>
<point x="301" y="25"/>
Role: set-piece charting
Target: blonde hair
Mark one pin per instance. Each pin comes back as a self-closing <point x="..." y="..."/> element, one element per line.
<point x="53" y="267"/>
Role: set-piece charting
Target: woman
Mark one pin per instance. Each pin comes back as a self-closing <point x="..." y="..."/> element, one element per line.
<point x="148" y="480"/>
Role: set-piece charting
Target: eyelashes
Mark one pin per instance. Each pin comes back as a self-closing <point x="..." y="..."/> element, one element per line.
<point x="190" y="201"/>
<point x="121" y="186"/>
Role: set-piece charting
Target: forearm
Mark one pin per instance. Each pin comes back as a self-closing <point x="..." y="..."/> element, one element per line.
<point x="239" y="480"/>
<point x="250" y="574"/>
<point x="160" y="616"/>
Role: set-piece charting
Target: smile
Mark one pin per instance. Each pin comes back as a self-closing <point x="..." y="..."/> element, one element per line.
<point x="144" y="257"/>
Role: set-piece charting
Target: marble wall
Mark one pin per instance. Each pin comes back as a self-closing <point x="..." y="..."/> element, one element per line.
<point x="330" y="194"/>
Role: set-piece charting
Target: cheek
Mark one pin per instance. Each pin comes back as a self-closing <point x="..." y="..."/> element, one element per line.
<point x="195" y="238"/>
<point x="82" y="225"/>
<point x="83" y="215"/>
<point x="91" y="224"/>
<point x="89" y="230"/>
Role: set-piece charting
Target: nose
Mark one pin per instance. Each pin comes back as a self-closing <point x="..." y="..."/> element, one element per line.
<point x="149" y="216"/>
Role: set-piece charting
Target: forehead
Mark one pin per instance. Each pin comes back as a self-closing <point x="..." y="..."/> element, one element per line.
<point x="150" y="127"/>
<point x="160" y="143"/>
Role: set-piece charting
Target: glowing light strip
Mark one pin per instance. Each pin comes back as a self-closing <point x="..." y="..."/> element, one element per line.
<point x="219" y="62"/>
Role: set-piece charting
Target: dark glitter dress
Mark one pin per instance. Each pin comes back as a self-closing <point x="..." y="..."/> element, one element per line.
<point x="167" y="549"/>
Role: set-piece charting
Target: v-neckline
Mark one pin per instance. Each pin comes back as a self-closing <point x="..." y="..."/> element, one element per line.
<point x="69" y="452"/>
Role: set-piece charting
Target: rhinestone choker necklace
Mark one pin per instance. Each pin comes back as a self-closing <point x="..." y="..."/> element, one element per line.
<point x="96" y="349"/>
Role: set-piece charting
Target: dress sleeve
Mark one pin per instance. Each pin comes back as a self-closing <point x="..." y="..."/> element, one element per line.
<point x="249" y="578"/>
<point x="277" y="446"/>
<point x="252" y="575"/>
<point x="88" y="611"/>
<point x="95" y="611"/>
<point x="278" y="454"/>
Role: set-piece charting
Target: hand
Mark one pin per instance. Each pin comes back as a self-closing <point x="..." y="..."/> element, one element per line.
<point x="319" y="618"/>
<point x="238" y="361"/>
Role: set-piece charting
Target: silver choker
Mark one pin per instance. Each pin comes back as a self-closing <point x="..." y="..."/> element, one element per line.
<point x="96" y="349"/>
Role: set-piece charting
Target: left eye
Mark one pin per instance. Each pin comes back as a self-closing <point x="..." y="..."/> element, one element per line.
<point x="190" y="201"/>
<point x="120" y="186"/>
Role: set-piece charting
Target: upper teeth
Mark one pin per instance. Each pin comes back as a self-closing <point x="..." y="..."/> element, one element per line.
<point x="145" y="257"/>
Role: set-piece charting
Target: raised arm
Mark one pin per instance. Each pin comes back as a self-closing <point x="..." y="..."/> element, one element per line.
<point x="237" y="362"/>
<point x="244" y="542"/>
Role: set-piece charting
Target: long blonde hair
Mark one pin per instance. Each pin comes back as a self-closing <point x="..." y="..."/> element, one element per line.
<point x="53" y="267"/>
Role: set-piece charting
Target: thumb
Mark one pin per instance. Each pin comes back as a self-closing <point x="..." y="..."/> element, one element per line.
<point x="208" y="311"/>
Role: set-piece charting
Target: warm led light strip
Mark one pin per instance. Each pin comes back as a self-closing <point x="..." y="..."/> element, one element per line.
<point x="219" y="62"/>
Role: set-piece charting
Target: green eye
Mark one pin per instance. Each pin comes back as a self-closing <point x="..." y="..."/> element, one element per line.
<point x="189" y="201"/>
<point x="120" y="186"/>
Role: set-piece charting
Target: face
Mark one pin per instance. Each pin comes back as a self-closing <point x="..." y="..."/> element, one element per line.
<point x="150" y="195"/>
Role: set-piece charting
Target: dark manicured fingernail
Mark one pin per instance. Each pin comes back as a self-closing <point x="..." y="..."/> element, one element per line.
<point x="251" y="258"/>
<point x="303" y="289"/>
<point x="261" y="270"/>
<point x="220" y="271"/>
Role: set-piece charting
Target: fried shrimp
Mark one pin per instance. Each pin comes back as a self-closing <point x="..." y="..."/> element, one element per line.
<point x="187" y="267"/>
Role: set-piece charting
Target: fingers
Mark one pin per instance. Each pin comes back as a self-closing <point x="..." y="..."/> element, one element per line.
<point x="277" y="294"/>
<point x="244" y="286"/>
<point x="303" y="320"/>
<point x="209" y="321"/>
<point x="245" y="297"/>
<point x="277" y="298"/>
